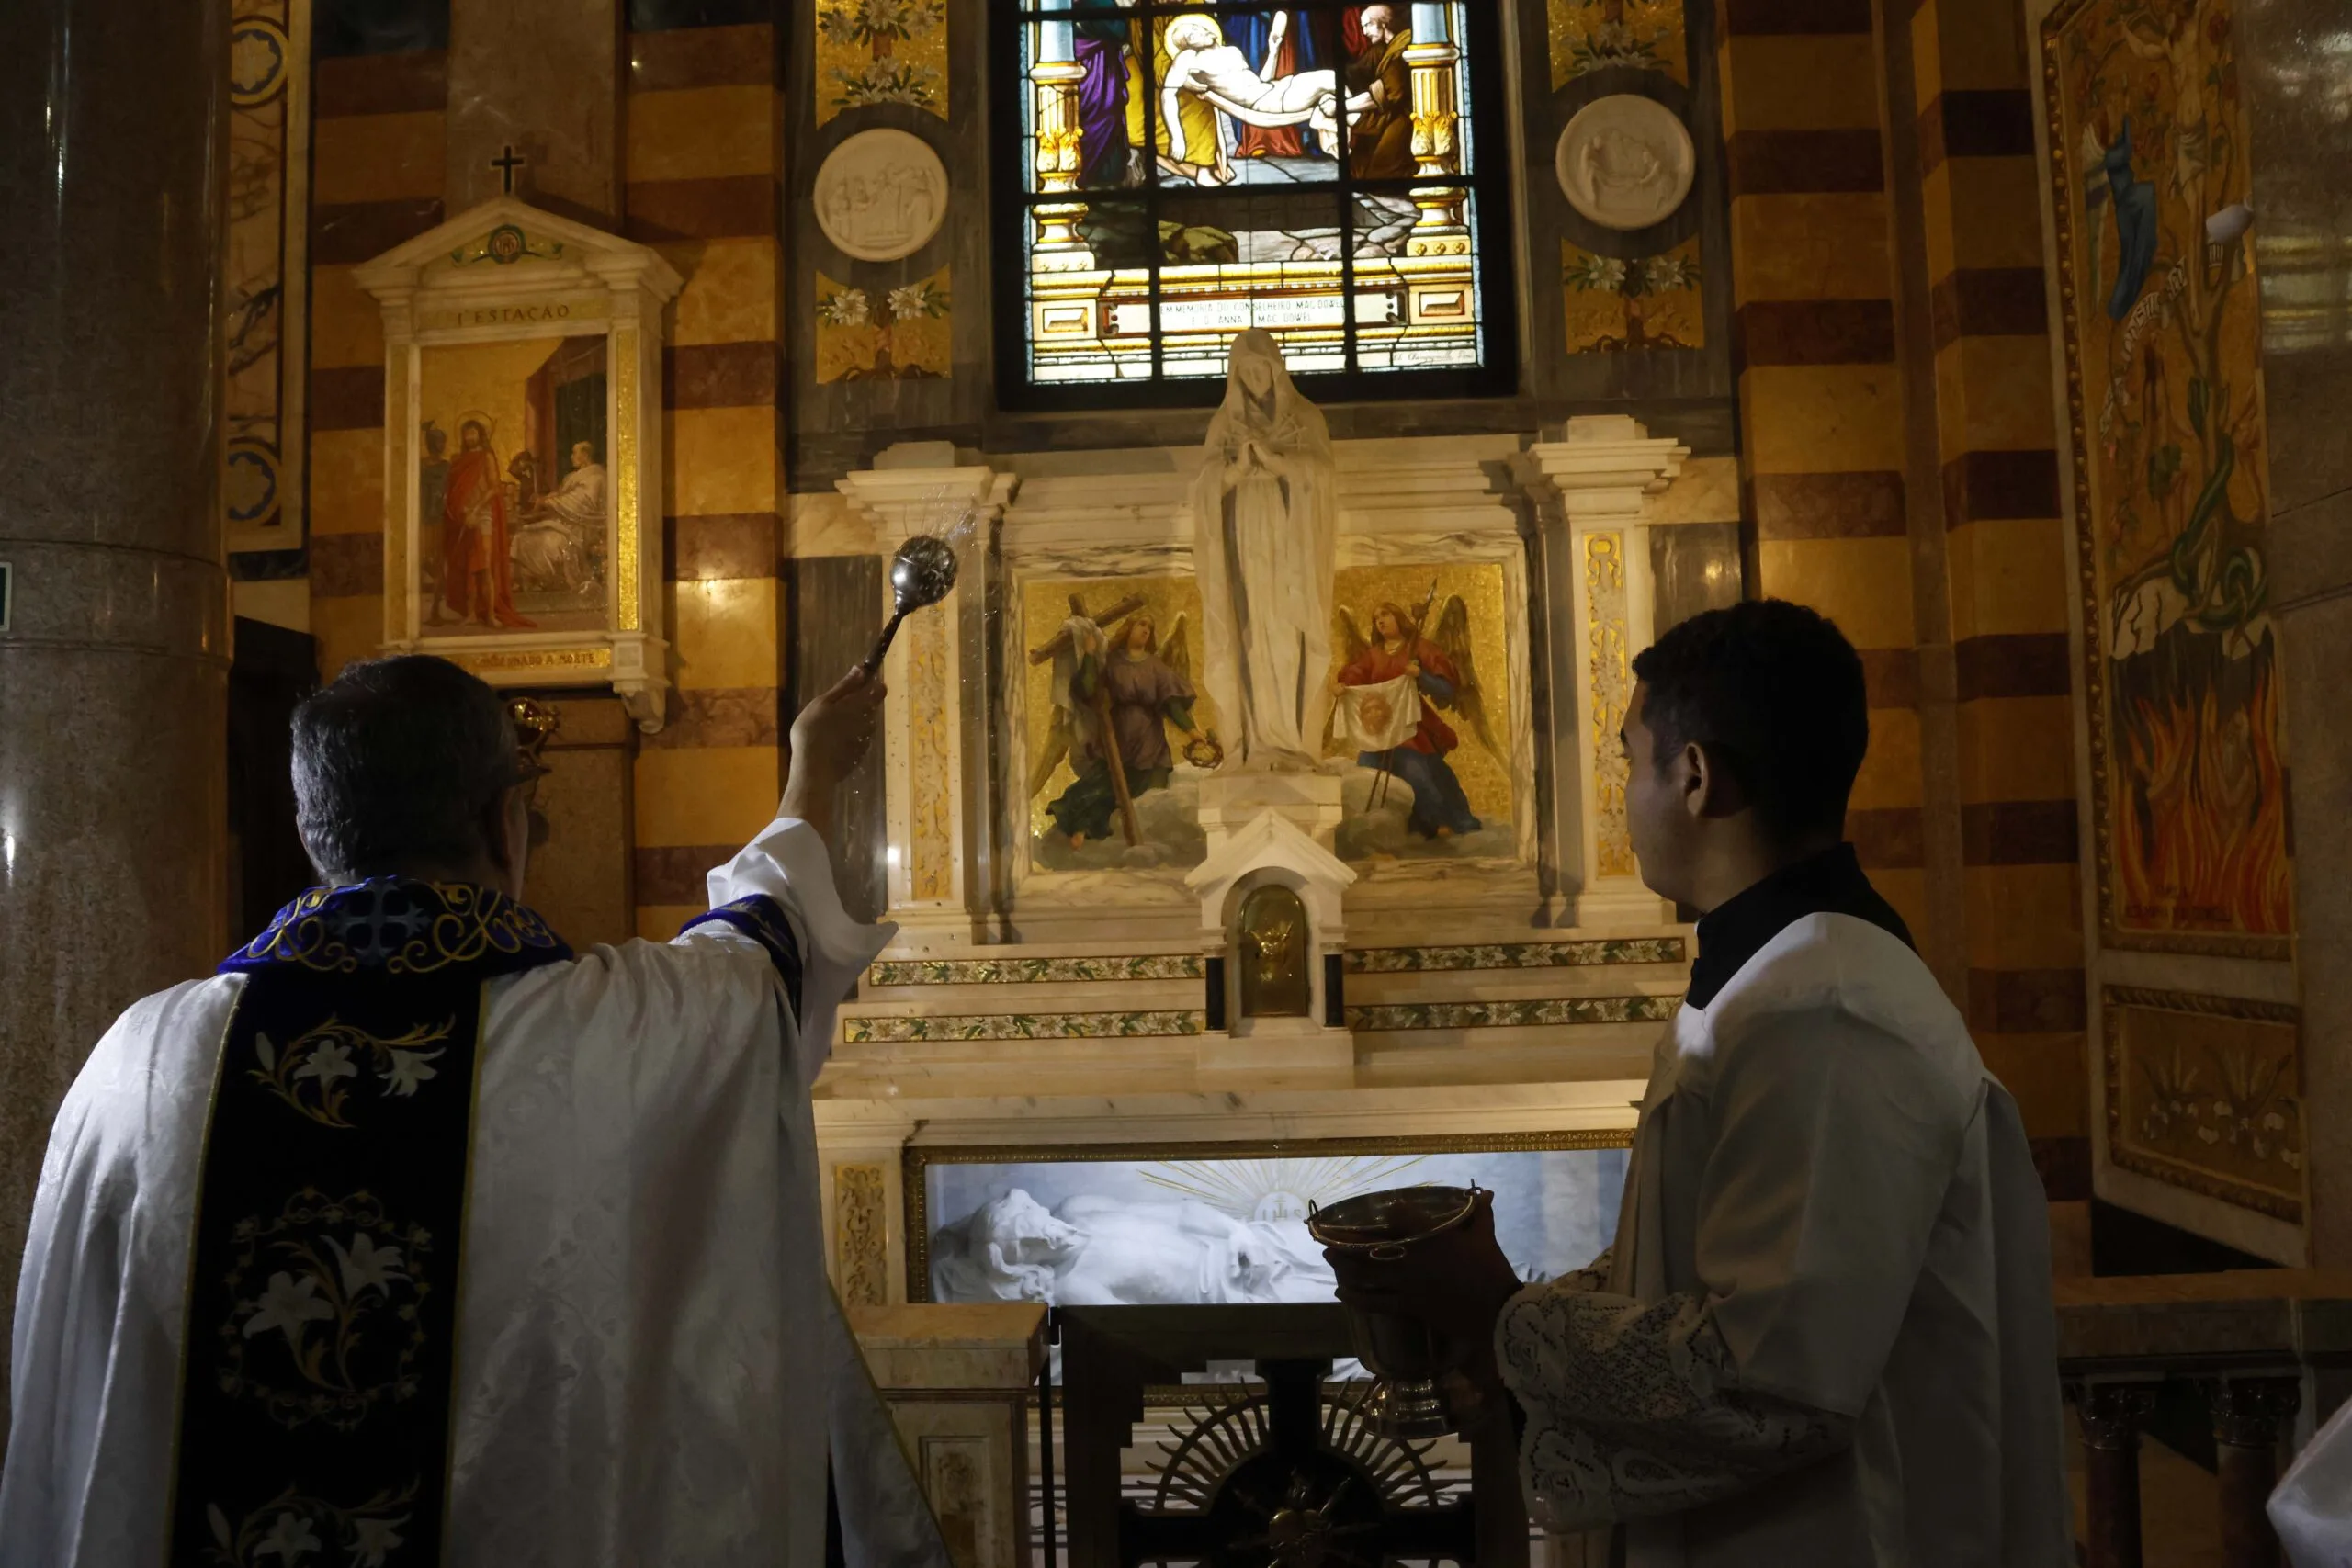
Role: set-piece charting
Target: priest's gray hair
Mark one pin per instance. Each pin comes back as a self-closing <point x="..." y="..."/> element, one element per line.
<point x="399" y="763"/>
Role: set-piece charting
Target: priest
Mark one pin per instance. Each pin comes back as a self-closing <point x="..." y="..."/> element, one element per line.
<point x="1824" y="1333"/>
<point x="413" y="1237"/>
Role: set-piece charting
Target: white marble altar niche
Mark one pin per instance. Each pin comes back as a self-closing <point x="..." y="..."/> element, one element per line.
<point x="1029" y="964"/>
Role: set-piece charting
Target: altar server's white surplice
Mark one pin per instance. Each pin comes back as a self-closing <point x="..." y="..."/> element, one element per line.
<point x="2312" y="1510"/>
<point x="651" y="1366"/>
<point x="1824" y="1336"/>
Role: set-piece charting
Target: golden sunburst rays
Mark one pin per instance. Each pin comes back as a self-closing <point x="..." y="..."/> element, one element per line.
<point x="1277" y="1188"/>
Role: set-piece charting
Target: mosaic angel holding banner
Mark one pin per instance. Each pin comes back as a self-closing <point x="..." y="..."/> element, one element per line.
<point x="1118" y="687"/>
<point x="1391" y="687"/>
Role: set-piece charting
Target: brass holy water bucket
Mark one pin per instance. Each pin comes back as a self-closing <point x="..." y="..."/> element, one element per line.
<point x="1405" y="1357"/>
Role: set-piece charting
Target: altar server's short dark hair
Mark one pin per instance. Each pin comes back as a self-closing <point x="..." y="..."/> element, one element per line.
<point x="1774" y="692"/>
<point x="399" y="761"/>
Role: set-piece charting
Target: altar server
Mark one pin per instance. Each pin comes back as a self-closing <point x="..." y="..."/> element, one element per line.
<point x="412" y="1237"/>
<point x="1825" y="1333"/>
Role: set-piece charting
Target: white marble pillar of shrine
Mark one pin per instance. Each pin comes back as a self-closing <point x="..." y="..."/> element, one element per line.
<point x="938" y="680"/>
<point x="1595" y="489"/>
<point x="114" y="635"/>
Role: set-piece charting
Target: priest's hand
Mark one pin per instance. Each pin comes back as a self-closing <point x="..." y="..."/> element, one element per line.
<point x="829" y="737"/>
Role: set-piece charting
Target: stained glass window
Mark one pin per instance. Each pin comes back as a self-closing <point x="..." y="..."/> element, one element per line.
<point x="1182" y="171"/>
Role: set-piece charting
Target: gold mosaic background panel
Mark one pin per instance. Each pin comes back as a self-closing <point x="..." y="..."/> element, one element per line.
<point x="2205" y="1093"/>
<point x="881" y="51"/>
<point x="1611" y="306"/>
<point x="1589" y="35"/>
<point x="904" y="333"/>
<point x="1485" y="773"/>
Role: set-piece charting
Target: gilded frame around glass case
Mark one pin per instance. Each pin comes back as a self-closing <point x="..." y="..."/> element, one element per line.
<point x="512" y="331"/>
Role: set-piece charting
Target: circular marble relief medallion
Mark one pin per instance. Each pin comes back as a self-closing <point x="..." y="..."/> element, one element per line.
<point x="881" y="195"/>
<point x="1626" y="162"/>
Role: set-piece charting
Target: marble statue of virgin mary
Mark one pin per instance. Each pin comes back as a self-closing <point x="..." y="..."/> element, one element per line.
<point x="1265" y="528"/>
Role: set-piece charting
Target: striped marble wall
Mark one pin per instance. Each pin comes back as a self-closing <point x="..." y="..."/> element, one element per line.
<point x="1821" y="404"/>
<point x="2006" y="553"/>
<point x="377" y="168"/>
<point x="701" y="187"/>
<point x="1901" y="477"/>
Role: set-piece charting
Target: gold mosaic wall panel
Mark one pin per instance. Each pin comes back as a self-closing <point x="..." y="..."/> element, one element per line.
<point x="904" y="333"/>
<point x="1594" y="35"/>
<point x="1610" y="305"/>
<point x="2204" y="1093"/>
<point x="881" y="51"/>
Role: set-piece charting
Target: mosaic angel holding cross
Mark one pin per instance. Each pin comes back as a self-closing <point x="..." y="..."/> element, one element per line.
<point x="1118" y="687"/>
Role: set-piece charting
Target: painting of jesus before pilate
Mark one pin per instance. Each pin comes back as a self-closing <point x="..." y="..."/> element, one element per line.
<point x="513" y="506"/>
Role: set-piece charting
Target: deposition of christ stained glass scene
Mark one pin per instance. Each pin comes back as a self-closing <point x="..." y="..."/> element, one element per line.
<point x="1194" y="171"/>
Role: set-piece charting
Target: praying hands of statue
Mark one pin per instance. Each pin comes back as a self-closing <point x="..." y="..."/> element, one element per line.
<point x="1456" y="1282"/>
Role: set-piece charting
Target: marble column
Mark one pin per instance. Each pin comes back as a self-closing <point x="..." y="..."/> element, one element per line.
<point x="114" y="661"/>
<point x="2297" y="82"/>
<point x="1595" y="487"/>
<point x="934" y="739"/>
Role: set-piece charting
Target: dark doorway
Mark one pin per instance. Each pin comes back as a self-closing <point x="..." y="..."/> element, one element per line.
<point x="274" y="669"/>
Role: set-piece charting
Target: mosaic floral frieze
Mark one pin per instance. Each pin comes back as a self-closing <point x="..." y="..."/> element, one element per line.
<point x="881" y="51"/>
<point x="1610" y="305"/>
<point x="1527" y="1013"/>
<point x="1034" y="970"/>
<point x="905" y="333"/>
<point x="1024" y="1026"/>
<point x="1603" y="35"/>
<point x="1515" y="955"/>
<point x="2205" y="1093"/>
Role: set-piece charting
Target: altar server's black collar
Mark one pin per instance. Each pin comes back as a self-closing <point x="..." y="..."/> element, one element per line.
<point x="1735" y="930"/>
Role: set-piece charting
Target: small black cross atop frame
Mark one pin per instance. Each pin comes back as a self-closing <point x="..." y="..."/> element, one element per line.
<point x="506" y="162"/>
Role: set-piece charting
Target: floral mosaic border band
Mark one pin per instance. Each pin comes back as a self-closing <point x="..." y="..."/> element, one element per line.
<point x="1528" y="1013"/>
<point x="1024" y="1026"/>
<point x="2204" y="1093"/>
<point x="1516" y="955"/>
<point x="1034" y="971"/>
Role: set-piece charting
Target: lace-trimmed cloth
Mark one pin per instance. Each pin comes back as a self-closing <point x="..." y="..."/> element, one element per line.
<point x="318" y="1351"/>
<point x="1634" y="1409"/>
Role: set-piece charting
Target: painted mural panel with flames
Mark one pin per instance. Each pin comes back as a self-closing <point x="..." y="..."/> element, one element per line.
<point x="2149" y="152"/>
